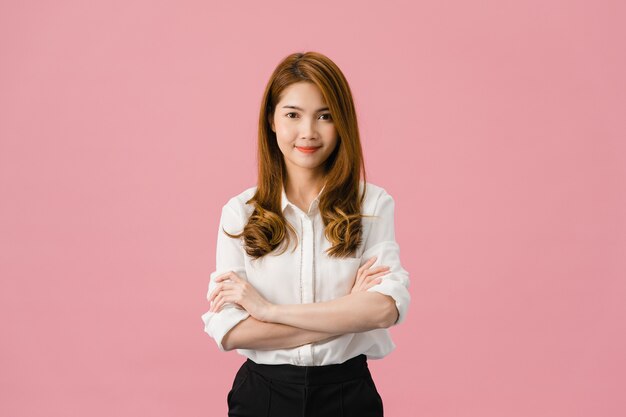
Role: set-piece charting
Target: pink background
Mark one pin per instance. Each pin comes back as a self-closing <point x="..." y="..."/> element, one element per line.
<point x="497" y="126"/>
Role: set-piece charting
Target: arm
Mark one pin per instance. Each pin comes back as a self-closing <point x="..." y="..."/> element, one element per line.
<point x="229" y="257"/>
<point x="382" y="305"/>
<point x="356" y="312"/>
<point x="353" y="313"/>
<point x="254" y="334"/>
<point x="233" y="327"/>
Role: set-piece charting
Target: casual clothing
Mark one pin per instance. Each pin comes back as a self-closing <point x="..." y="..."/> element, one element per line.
<point x="340" y="390"/>
<point x="309" y="275"/>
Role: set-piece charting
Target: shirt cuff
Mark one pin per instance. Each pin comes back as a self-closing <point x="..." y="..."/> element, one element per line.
<point x="398" y="292"/>
<point x="396" y="282"/>
<point x="220" y="323"/>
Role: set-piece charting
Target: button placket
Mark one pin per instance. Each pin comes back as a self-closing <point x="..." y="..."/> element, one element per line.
<point x="307" y="260"/>
<point x="299" y="349"/>
<point x="313" y="272"/>
<point x="307" y="274"/>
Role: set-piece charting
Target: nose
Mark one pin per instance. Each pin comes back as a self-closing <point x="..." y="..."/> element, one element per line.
<point x="308" y="128"/>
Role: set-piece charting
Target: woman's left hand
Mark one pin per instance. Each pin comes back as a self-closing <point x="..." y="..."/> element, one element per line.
<point x="233" y="289"/>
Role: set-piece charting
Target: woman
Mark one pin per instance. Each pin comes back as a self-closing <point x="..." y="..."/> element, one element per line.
<point x="308" y="275"/>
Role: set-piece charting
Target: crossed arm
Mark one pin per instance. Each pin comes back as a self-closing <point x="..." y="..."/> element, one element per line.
<point x="259" y="335"/>
<point x="275" y="326"/>
<point x="298" y="324"/>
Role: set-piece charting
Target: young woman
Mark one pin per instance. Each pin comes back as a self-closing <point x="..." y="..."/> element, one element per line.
<point x="308" y="275"/>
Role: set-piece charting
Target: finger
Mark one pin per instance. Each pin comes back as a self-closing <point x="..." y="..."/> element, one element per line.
<point x="217" y="307"/>
<point x="221" y="301"/>
<point x="227" y="275"/>
<point x="214" y="292"/>
<point x="221" y="277"/>
<point x="220" y="287"/>
<point x="227" y="285"/>
<point x="364" y="268"/>
<point x="213" y="305"/>
<point x="229" y="295"/>
<point x="376" y="270"/>
<point x="373" y="283"/>
<point x="374" y="276"/>
<point x="359" y="278"/>
<point x="361" y="282"/>
<point x="367" y="264"/>
<point x="233" y="276"/>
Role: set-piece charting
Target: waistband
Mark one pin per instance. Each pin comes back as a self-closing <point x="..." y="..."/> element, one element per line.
<point x="312" y="375"/>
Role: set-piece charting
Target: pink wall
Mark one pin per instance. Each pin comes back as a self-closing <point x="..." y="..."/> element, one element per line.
<point x="498" y="126"/>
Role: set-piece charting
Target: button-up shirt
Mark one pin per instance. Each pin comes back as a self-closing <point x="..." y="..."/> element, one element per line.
<point x="309" y="275"/>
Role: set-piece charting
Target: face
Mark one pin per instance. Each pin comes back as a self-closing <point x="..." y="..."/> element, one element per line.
<point x="304" y="127"/>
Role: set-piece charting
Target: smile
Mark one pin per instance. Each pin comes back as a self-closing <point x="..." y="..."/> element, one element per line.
<point x="307" y="149"/>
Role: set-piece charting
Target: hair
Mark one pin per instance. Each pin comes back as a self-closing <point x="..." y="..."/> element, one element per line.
<point x="339" y="202"/>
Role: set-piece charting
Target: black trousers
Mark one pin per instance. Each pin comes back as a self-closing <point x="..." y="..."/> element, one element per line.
<point x="338" y="390"/>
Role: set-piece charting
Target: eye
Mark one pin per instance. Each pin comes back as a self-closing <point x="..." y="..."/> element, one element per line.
<point x="327" y="114"/>
<point x="289" y="114"/>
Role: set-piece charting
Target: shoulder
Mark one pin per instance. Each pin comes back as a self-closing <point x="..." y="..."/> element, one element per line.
<point x="376" y="198"/>
<point x="239" y="201"/>
<point x="237" y="208"/>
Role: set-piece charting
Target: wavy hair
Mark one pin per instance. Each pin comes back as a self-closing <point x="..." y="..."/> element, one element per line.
<point x="339" y="202"/>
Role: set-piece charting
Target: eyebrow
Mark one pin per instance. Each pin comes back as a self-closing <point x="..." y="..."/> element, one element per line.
<point x="298" y="108"/>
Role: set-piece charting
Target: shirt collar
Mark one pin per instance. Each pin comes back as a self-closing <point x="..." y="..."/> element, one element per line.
<point x="284" y="201"/>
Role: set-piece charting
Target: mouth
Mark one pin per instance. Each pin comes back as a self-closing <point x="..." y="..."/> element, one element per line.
<point x="307" y="149"/>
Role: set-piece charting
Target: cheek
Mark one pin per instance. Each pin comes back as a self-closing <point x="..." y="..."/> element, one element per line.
<point x="330" y="132"/>
<point x="284" y="133"/>
<point x="333" y="143"/>
<point x="282" y="136"/>
<point x="284" y="143"/>
<point x="283" y="147"/>
<point x="330" y="150"/>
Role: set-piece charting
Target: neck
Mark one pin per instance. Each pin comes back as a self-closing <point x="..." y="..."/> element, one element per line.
<point x="302" y="185"/>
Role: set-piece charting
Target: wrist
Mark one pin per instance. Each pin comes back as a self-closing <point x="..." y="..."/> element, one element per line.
<point x="271" y="313"/>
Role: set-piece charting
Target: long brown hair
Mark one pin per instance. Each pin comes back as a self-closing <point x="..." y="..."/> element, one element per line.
<point x="339" y="202"/>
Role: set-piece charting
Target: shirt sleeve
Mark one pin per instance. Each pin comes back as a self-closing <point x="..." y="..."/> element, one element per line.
<point x="381" y="243"/>
<point x="229" y="257"/>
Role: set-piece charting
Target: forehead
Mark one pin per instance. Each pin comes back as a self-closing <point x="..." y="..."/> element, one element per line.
<point x="302" y="94"/>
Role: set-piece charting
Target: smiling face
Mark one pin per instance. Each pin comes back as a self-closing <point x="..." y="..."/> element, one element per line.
<point x="304" y="128"/>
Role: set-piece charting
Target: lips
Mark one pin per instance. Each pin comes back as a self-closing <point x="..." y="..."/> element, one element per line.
<point x="307" y="149"/>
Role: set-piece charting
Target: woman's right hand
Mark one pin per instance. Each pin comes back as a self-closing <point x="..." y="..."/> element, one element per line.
<point x="367" y="277"/>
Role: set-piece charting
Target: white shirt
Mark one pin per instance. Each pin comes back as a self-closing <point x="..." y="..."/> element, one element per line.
<point x="309" y="275"/>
